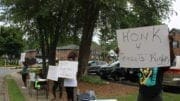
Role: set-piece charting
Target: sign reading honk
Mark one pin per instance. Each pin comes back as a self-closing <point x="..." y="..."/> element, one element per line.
<point x="144" y="46"/>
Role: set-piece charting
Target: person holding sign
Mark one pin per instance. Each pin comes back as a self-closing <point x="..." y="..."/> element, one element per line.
<point x="150" y="80"/>
<point x="71" y="84"/>
<point x="66" y="71"/>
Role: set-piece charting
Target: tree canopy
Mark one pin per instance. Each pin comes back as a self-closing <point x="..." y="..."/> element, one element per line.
<point x="51" y="21"/>
<point x="11" y="42"/>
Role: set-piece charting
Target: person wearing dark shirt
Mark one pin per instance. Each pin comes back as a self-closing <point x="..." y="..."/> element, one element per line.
<point x="150" y="80"/>
<point x="24" y="74"/>
<point x="150" y="85"/>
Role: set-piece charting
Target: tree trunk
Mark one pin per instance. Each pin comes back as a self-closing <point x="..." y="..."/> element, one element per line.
<point x="90" y="18"/>
<point x="42" y="45"/>
<point x="52" y="55"/>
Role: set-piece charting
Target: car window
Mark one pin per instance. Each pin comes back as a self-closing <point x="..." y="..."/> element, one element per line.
<point x="101" y="63"/>
<point x="93" y="63"/>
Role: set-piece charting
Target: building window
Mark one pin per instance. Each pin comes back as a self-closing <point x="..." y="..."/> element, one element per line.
<point x="175" y="44"/>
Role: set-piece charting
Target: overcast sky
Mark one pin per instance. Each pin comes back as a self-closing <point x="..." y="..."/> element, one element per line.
<point x="175" y="19"/>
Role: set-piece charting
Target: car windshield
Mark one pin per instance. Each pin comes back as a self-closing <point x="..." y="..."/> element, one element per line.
<point x="101" y="63"/>
<point x="96" y="63"/>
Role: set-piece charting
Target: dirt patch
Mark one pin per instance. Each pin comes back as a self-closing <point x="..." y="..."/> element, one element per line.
<point x="108" y="90"/>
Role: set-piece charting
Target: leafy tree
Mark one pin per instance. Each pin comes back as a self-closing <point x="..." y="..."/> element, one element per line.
<point x="110" y="15"/>
<point x="46" y="20"/>
<point x="51" y="20"/>
<point x="11" y="43"/>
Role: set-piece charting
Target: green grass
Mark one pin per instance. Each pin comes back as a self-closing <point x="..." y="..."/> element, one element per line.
<point x="13" y="90"/>
<point x="16" y="95"/>
<point x="92" y="79"/>
<point x="171" y="97"/>
<point x="133" y="97"/>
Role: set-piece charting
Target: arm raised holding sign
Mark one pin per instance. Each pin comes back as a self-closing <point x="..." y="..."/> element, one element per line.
<point x="150" y="85"/>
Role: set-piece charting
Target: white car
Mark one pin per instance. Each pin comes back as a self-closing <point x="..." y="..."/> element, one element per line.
<point x="172" y="76"/>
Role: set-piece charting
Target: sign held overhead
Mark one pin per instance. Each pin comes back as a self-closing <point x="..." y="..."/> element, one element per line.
<point x="144" y="46"/>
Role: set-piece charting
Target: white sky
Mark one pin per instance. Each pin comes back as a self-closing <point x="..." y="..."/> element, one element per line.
<point x="175" y="19"/>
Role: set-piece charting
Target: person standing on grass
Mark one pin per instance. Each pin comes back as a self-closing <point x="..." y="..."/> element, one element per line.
<point x="150" y="80"/>
<point x="25" y="74"/>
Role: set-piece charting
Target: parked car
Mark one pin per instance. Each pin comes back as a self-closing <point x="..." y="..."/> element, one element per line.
<point x="172" y="76"/>
<point x="131" y="74"/>
<point x="115" y="72"/>
<point x="111" y="71"/>
<point x="94" y="66"/>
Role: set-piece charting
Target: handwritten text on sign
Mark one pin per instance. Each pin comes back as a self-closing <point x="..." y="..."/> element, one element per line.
<point x="53" y="73"/>
<point x="67" y="69"/>
<point x="144" y="46"/>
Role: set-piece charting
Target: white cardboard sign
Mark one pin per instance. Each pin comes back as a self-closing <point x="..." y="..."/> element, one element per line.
<point x="53" y="73"/>
<point x="144" y="47"/>
<point x="68" y="69"/>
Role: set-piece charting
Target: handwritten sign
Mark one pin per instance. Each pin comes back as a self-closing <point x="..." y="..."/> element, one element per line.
<point x="144" y="46"/>
<point x="68" y="69"/>
<point x="53" y="73"/>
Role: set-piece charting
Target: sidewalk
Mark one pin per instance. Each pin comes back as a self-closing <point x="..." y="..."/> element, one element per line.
<point x="3" y="90"/>
<point x="33" y="97"/>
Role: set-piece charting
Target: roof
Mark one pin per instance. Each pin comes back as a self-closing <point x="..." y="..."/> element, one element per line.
<point x="72" y="46"/>
<point x="174" y="30"/>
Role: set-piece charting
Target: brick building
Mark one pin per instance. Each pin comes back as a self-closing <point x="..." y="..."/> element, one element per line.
<point x="62" y="52"/>
<point x="176" y="43"/>
<point x="31" y="53"/>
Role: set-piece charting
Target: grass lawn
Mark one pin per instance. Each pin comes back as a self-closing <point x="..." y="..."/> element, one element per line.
<point x="13" y="90"/>
<point x="16" y="95"/>
<point x="166" y="97"/>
